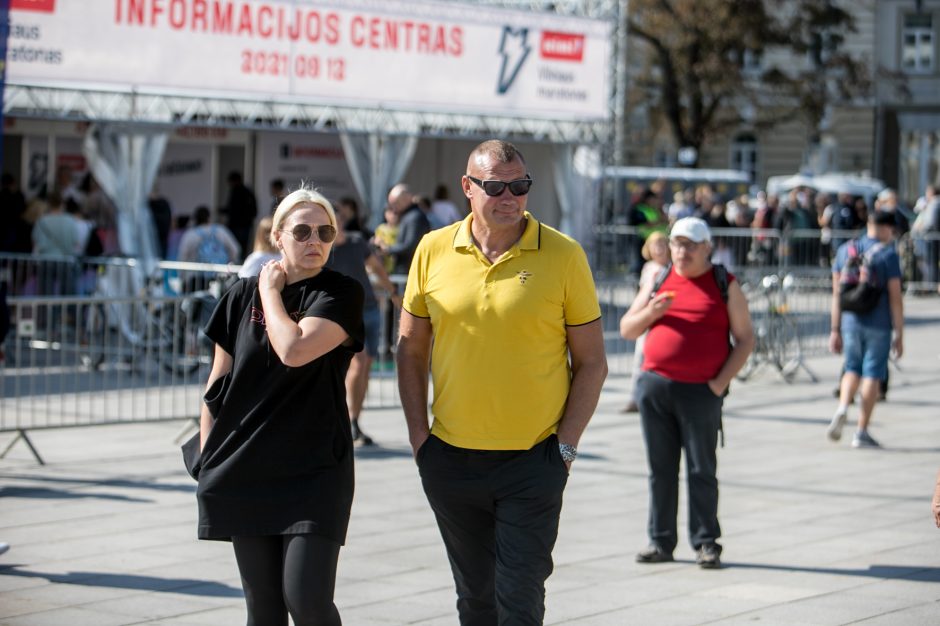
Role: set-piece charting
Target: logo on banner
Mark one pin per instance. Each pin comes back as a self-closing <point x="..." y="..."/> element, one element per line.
<point x="562" y="46"/>
<point x="514" y="48"/>
<point x="41" y="6"/>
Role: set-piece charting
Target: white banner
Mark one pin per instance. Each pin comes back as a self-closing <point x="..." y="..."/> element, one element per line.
<point x="414" y="55"/>
<point x="316" y="159"/>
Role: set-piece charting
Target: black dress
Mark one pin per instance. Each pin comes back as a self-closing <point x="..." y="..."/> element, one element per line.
<point x="279" y="458"/>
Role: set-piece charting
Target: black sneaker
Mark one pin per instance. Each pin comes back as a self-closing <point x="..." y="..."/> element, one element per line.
<point x="653" y="554"/>
<point x="708" y="556"/>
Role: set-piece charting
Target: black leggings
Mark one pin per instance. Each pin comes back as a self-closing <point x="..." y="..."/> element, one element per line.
<point x="288" y="573"/>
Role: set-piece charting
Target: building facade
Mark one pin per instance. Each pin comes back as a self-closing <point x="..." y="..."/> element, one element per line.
<point x="892" y="133"/>
<point x="908" y="119"/>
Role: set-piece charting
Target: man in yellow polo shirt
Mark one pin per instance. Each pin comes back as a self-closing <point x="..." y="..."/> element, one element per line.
<point x="496" y="305"/>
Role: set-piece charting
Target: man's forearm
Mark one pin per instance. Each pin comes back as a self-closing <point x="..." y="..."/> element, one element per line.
<point x="413" y="390"/>
<point x="735" y="361"/>
<point x="585" y="391"/>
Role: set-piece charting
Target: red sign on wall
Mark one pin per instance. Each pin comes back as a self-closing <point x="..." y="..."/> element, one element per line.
<point x="562" y="46"/>
<point x="42" y="6"/>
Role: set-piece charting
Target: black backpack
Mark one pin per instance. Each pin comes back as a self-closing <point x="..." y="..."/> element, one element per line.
<point x="860" y="287"/>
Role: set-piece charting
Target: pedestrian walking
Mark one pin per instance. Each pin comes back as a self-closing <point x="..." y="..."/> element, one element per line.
<point x="353" y="256"/>
<point x="276" y="468"/>
<point x="688" y="364"/>
<point x="865" y="336"/>
<point x="495" y="304"/>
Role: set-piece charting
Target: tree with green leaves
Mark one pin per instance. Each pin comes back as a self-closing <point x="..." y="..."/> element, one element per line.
<point x="717" y="65"/>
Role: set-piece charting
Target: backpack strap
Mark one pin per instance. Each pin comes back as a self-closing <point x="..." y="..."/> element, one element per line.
<point x="720" y="272"/>
<point x="660" y="279"/>
<point x="852" y="249"/>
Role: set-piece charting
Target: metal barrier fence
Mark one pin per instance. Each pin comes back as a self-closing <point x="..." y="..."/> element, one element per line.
<point x="124" y="350"/>
<point x="807" y="302"/>
<point x="752" y="253"/>
<point x="111" y="354"/>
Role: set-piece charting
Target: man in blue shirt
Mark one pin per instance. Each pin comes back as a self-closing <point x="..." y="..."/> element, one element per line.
<point x="866" y="338"/>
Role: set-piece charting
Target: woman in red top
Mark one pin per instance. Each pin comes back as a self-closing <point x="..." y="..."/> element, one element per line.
<point x="687" y="366"/>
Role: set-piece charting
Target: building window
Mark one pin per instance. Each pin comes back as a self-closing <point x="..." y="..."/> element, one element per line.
<point x="744" y="155"/>
<point x="917" y="44"/>
<point x="751" y="61"/>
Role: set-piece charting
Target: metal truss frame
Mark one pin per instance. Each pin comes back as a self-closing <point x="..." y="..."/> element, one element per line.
<point x="99" y="104"/>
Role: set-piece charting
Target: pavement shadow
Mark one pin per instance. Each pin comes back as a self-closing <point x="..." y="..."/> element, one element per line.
<point x="120" y="483"/>
<point x="887" y="572"/>
<point x="186" y="586"/>
<point x="379" y="452"/>
<point x="376" y="451"/>
<point x="61" y="494"/>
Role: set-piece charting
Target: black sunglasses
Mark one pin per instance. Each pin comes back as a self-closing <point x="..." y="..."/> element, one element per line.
<point x="302" y="232"/>
<point x="495" y="188"/>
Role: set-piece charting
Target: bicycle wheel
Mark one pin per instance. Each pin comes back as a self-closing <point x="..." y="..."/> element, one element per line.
<point x="94" y="337"/>
<point x="786" y="350"/>
<point x="181" y="327"/>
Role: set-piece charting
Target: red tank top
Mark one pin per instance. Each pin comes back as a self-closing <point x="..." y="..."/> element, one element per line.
<point x="689" y="343"/>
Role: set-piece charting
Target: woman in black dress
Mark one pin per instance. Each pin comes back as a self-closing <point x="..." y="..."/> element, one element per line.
<point x="276" y="468"/>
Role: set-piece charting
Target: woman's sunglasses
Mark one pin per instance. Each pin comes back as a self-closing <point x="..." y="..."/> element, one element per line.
<point x="302" y="232"/>
<point x="495" y="188"/>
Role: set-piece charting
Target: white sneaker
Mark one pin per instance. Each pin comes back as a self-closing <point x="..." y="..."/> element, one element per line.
<point x="834" y="432"/>
<point x="863" y="440"/>
<point x="4" y="547"/>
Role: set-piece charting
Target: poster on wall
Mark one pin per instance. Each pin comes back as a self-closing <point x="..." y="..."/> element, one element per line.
<point x="70" y="166"/>
<point x="316" y="159"/>
<point x="413" y="55"/>
<point x="185" y="176"/>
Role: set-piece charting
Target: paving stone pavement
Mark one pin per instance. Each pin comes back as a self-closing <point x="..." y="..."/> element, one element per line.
<point x="814" y="532"/>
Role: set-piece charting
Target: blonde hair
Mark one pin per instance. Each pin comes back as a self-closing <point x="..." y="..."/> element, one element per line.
<point x="654" y="236"/>
<point x="295" y="198"/>
<point x="263" y="240"/>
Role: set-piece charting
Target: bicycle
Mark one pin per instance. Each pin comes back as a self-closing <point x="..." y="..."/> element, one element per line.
<point x="776" y="332"/>
<point x="163" y="327"/>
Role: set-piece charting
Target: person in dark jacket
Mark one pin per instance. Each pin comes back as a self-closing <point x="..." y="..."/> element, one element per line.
<point x="413" y="224"/>
<point x="240" y="209"/>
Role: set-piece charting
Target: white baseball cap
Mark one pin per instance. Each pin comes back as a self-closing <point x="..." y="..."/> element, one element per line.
<point x="691" y="228"/>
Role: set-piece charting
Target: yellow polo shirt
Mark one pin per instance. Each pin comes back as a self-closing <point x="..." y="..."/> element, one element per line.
<point x="499" y="360"/>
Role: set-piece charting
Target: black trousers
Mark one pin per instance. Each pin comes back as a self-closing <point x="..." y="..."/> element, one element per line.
<point x="284" y="574"/>
<point x="498" y="514"/>
<point x="675" y="417"/>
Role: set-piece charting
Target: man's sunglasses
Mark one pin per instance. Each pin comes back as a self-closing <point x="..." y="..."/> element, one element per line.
<point x="302" y="232"/>
<point x="495" y="188"/>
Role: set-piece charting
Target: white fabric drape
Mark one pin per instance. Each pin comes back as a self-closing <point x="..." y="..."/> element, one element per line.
<point x="577" y="183"/>
<point x="124" y="160"/>
<point x="377" y="162"/>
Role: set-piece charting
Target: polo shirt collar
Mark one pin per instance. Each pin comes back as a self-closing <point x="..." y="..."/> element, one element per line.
<point x="528" y="241"/>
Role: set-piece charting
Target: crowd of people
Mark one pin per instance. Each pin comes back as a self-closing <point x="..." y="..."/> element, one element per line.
<point x="497" y="301"/>
<point x="76" y="219"/>
<point x="814" y="223"/>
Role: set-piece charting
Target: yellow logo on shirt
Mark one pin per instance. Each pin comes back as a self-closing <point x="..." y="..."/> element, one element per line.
<point x="523" y="276"/>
